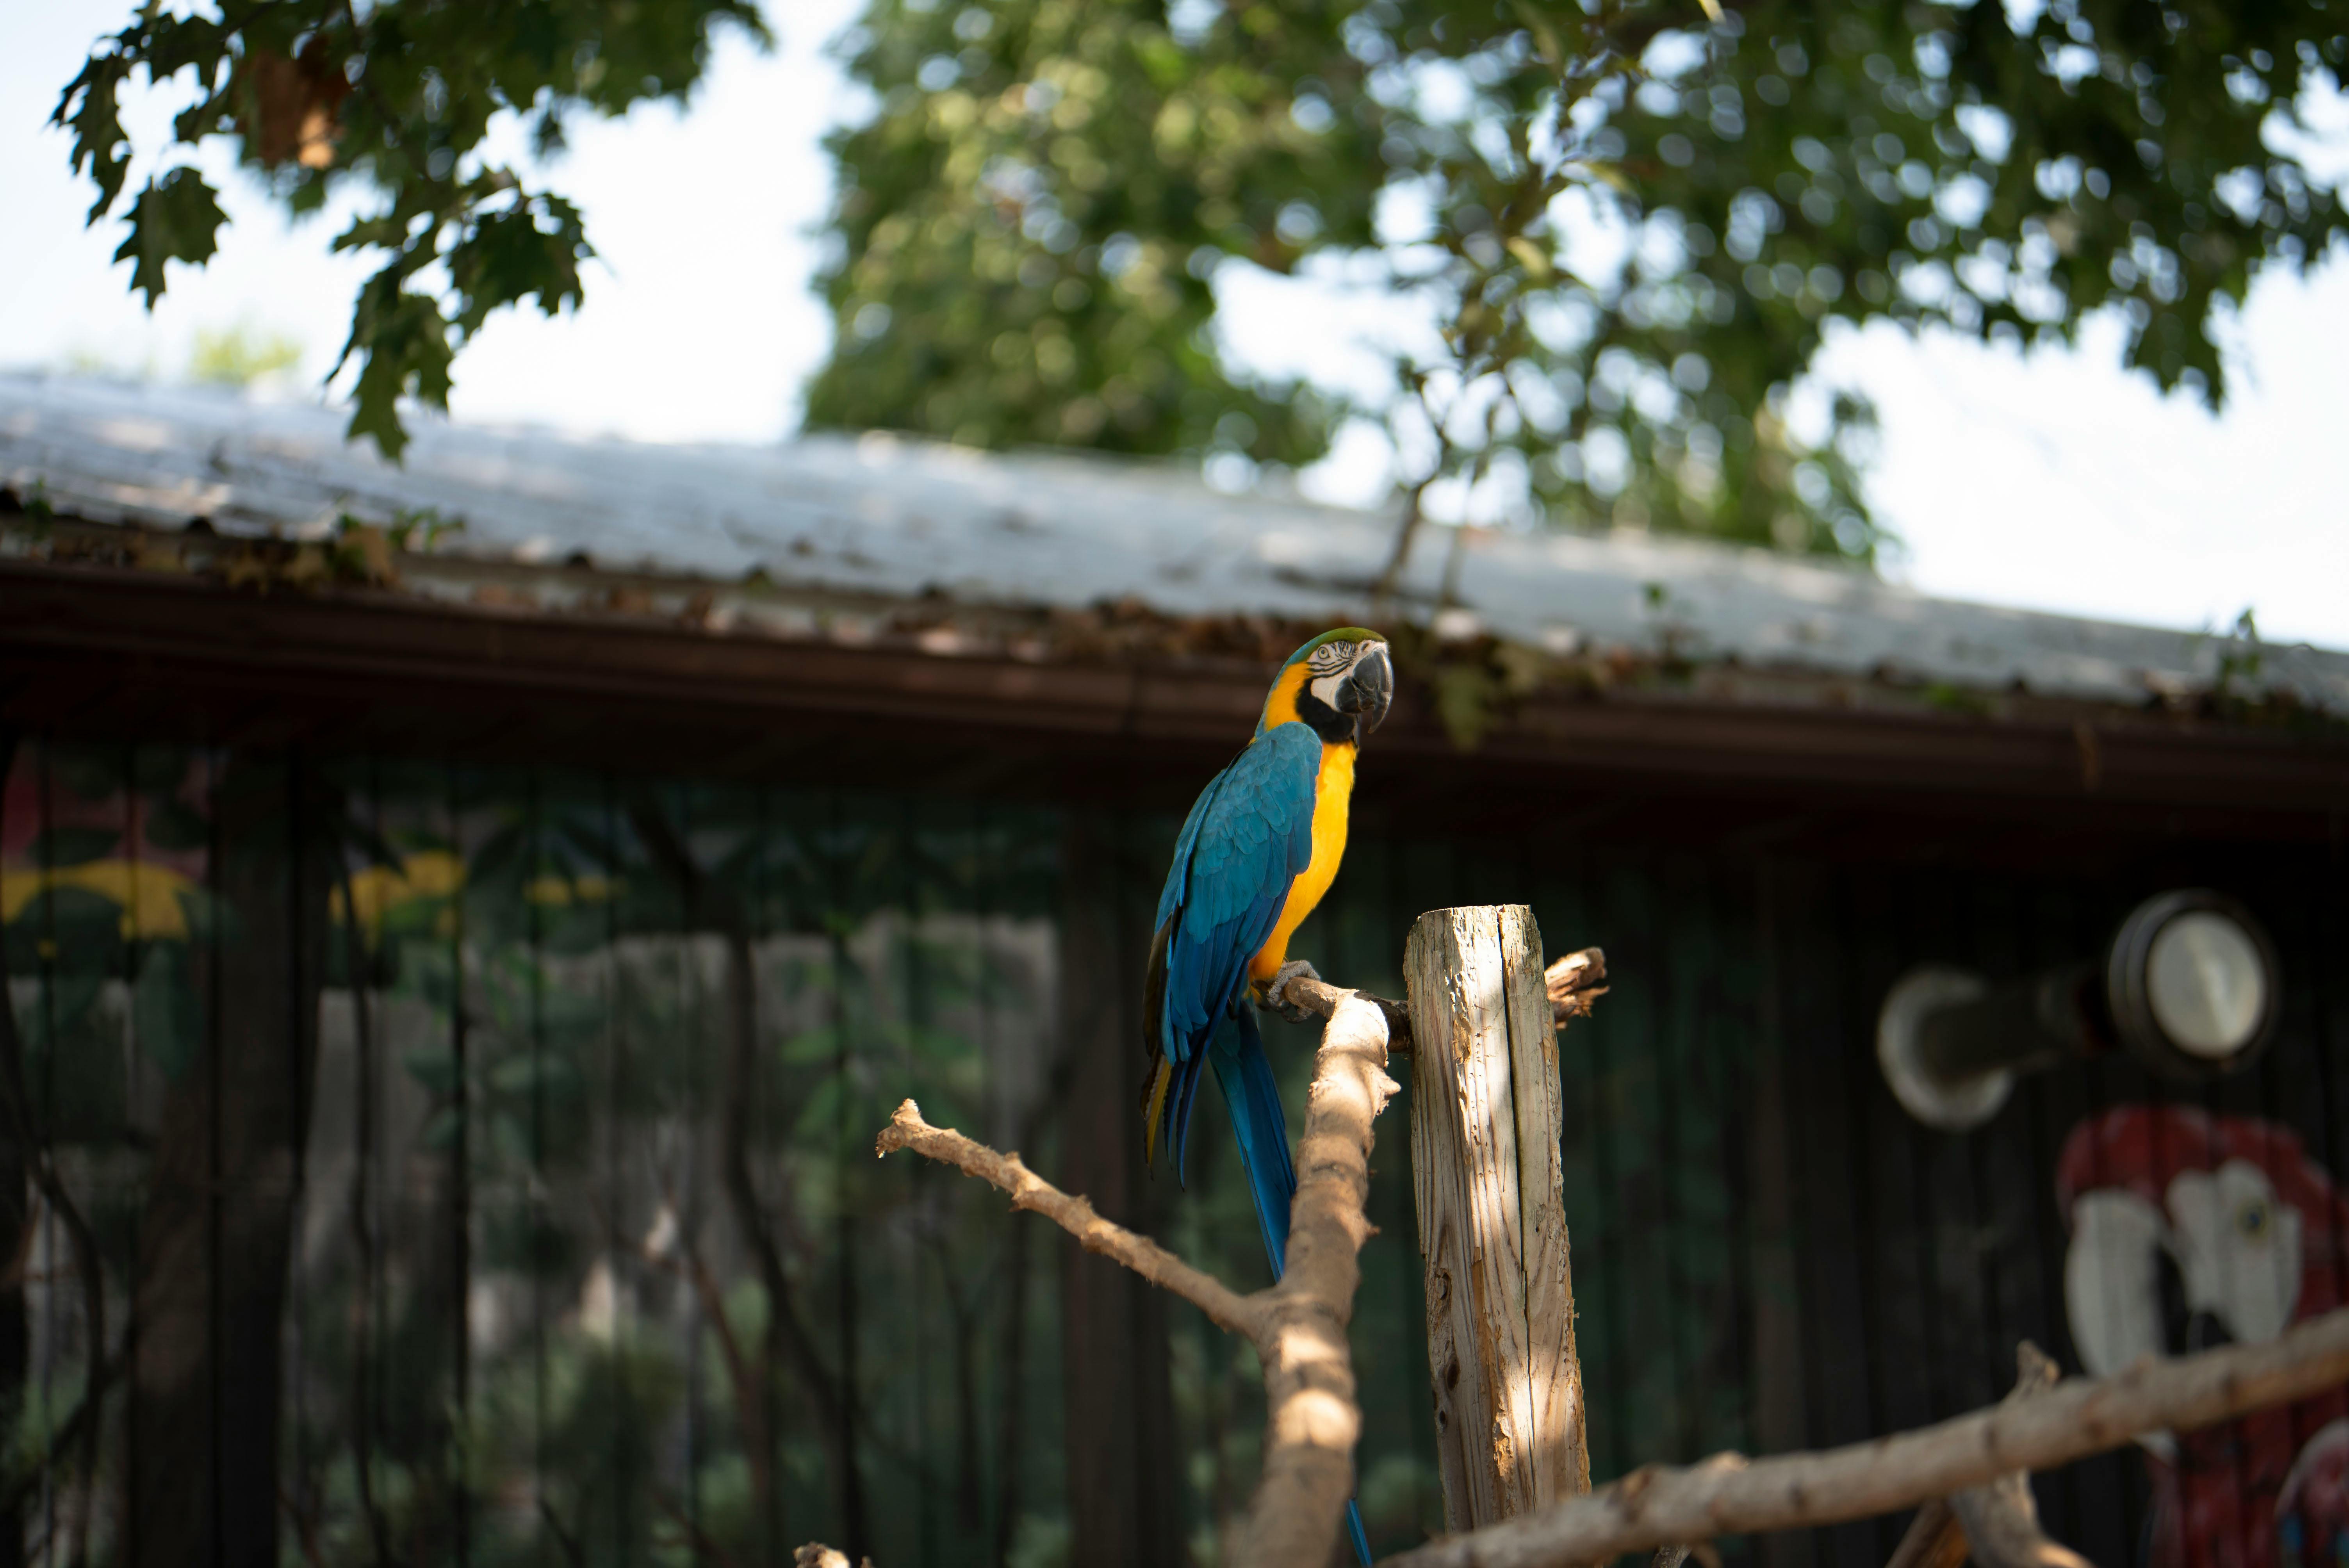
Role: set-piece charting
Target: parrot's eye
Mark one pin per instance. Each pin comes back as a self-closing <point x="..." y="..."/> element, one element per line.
<point x="1330" y="658"/>
<point x="2253" y="1219"/>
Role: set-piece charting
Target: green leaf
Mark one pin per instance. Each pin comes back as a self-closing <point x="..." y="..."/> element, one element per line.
<point x="510" y="1139"/>
<point x="59" y="1007"/>
<point x="157" y="770"/>
<point x="442" y="1129"/>
<point x="164" y="1011"/>
<point x="819" y="1045"/>
<point x="565" y="1015"/>
<point x="177" y="218"/>
<point x="434" y="1066"/>
<point x="939" y="1044"/>
<point x="506" y="258"/>
<point x="386" y="231"/>
<point x="208" y="918"/>
<point x="373" y="846"/>
<point x="65" y="929"/>
<point x="99" y="140"/>
<point x="817" y="1126"/>
<point x="90" y="772"/>
<point x="526" y="1070"/>
<point x="401" y="340"/>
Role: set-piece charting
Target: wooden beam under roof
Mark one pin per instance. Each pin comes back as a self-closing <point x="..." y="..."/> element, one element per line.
<point x="100" y="650"/>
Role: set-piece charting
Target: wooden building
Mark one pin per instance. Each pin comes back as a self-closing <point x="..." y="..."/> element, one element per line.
<point x="465" y="923"/>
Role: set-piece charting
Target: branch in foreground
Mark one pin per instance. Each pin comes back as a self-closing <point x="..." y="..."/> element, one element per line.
<point x="2001" y="1518"/>
<point x="1314" y="1417"/>
<point x="1935" y="1540"/>
<point x="1730" y="1494"/>
<point x="1298" y="1326"/>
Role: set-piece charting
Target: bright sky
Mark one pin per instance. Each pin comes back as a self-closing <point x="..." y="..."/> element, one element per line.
<point x="2049" y="479"/>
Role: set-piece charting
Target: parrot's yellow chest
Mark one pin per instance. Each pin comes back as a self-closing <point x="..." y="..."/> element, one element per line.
<point x="1333" y="791"/>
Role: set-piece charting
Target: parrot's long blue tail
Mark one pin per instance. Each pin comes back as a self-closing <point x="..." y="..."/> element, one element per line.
<point x="1244" y="1074"/>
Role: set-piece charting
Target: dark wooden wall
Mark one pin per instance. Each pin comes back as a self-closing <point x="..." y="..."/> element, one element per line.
<point x="554" y="1091"/>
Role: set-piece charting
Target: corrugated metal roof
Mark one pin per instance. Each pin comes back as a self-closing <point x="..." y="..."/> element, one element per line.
<point x="900" y="519"/>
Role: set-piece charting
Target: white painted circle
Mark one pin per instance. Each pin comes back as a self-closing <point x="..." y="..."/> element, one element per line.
<point x="2206" y="985"/>
<point x="1937" y="1102"/>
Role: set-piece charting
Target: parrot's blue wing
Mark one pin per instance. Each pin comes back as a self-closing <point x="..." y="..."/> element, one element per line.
<point x="1245" y="841"/>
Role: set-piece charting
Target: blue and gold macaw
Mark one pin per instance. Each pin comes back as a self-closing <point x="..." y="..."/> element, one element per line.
<point x="1259" y="849"/>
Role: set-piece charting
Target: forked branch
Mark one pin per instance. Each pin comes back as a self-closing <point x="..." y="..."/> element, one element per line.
<point x="1730" y="1494"/>
<point x="1999" y="1518"/>
<point x="1298" y="1326"/>
<point x="1573" y="982"/>
<point x="1224" y="1306"/>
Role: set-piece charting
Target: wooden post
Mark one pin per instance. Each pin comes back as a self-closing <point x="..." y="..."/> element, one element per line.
<point x="1485" y="1120"/>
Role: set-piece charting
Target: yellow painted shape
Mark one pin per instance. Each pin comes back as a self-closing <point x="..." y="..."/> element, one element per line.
<point x="1333" y="792"/>
<point x="559" y="892"/>
<point x="148" y="893"/>
<point x="378" y="890"/>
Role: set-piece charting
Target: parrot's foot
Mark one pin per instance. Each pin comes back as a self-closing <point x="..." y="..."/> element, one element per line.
<point x="1276" y="995"/>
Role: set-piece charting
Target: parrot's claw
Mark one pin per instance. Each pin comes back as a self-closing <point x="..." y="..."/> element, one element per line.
<point x="1275" y="995"/>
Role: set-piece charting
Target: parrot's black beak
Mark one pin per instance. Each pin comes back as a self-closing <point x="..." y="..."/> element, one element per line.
<point x="1369" y="689"/>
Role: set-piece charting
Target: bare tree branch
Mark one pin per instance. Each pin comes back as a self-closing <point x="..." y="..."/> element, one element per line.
<point x="1730" y="1494"/>
<point x="1298" y="1330"/>
<point x="1298" y="1326"/>
<point x="1314" y="1417"/>
<point x="2000" y="1518"/>
<point x="1226" y="1307"/>
<point x="1575" y="982"/>
<point x="816" y="1554"/>
<point x="1934" y="1539"/>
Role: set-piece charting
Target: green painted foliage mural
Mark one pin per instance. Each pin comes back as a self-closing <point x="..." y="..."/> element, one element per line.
<point x="587" y="1257"/>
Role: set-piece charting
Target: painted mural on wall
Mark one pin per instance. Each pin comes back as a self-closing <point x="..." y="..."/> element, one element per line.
<point x="581" y="1083"/>
<point x="2189" y="1230"/>
<point x="571" y="1230"/>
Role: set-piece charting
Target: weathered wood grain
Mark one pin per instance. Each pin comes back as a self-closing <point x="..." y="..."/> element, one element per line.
<point x="1486" y="1176"/>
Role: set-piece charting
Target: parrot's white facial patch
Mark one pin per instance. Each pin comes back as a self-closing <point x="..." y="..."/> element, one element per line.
<point x="2239" y="1247"/>
<point x="1330" y="664"/>
<point x="2112" y="1289"/>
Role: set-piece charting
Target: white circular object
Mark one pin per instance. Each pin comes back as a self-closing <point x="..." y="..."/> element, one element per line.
<point x="2205" y="985"/>
<point x="1935" y="1101"/>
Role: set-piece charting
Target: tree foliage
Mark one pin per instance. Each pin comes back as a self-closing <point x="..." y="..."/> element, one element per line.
<point x="1632" y="222"/>
<point x="402" y="100"/>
